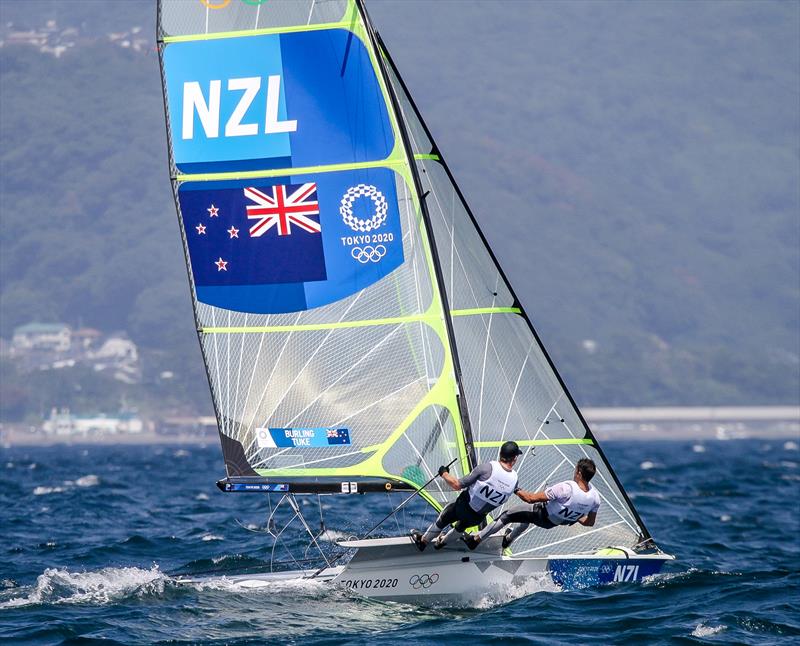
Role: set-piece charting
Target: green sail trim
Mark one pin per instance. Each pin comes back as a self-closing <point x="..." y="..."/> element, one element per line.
<point x="395" y="320"/>
<point x="555" y="442"/>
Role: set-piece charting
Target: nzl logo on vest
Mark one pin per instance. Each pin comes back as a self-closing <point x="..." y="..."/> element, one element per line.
<point x="290" y="244"/>
<point x="274" y="101"/>
<point x="493" y="496"/>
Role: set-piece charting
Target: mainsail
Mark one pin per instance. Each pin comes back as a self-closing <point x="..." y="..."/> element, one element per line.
<point x="356" y="328"/>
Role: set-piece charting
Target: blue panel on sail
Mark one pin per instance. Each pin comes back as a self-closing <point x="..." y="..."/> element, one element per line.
<point x="274" y="101"/>
<point x="291" y="244"/>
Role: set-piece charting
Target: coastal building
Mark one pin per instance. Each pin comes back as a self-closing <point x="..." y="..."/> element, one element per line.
<point x="56" y="337"/>
<point x="62" y="423"/>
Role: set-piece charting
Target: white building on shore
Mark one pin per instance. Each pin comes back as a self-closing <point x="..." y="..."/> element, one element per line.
<point x="64" y="424"/>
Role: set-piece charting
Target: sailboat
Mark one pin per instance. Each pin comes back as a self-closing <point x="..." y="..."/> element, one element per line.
<point x="357" y="330"/>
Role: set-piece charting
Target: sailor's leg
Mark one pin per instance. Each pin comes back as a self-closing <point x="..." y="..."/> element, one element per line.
<point x="447" y="536"/>
<point x="496" y="526"/>
<point x="447" y="516"/>
<point x="515" y="533"/>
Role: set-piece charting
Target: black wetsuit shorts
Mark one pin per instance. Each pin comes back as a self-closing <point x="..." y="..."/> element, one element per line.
<point x="536" y="514"/>
<point x="461" y="513"/>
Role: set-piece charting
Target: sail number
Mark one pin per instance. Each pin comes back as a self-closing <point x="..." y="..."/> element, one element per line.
<point x="626" y="573"/>
<point x="367" y="584"/>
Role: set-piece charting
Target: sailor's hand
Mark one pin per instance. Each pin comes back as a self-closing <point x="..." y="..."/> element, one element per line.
<point x="443" y="469"/>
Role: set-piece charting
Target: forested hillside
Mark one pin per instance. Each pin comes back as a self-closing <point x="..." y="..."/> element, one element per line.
<point x="636" y="167"/>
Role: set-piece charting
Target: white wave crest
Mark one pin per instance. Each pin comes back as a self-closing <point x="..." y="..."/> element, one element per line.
<point x="705" y="631"/>
<point x="88" y="481"/>
<point x="295" y="587"/>
<point x="213" y="537"/>
<point x="332" y="535"/>
<point x="60" y="586"/>
<point x="201" y="496"/>
<point x="43" y="491"/>
<point x="699" y="448"/>
<point x="647" y="465"/>
<point x="790" y="446"/>
<point x="503" y="594"/>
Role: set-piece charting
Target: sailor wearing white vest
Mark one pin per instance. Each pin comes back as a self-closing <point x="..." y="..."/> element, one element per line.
<point x="486" y="487"/>
<point x="566" y="503"/>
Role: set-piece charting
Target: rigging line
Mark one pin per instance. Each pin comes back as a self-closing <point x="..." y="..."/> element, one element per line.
<point x="345" y="373"/>
<point x="258" y="13"/>
<point x="378" y="401"/>
<point x="571" y="538"/>
<point x="451" y="230"/>
<point x="453" y="242"/>
<point x="600" y="473"/>
<point x="275" y="544"/>
<point x="250" y="384"/>
<point x="535" y="435"/>
<point x="222" y="421"/>
<point x="405" y="502"/>
<point x="272" y="372"/>
<point x="228" y="376"/>
<point x="313" y="354"/>
<point x="424" y="463"/>
<point x="544" y="482"/>
<point x="427" y="352"/>
<point x="514" y="393"/>
<point x="396" y="520"/>
<point x="599" y="493"/>
<point x="269" y="457"/>
<point x="310" y="11"/>
<point x="296" y="507"/>
<point x="238" y="376"/>
<point x="483" y="367"/>
<point x="305" y="464"/>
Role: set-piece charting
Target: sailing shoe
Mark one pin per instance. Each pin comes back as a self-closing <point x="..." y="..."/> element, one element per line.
<point x="507" y="539"/>
<point x="472" y="541"/>
<point x="416" y="536"/>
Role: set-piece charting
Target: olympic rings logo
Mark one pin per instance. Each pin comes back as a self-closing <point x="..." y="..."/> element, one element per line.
<point x="221" y="4"/>
<point x="368" y="253"/>
<point x="424" y="581"/>
<point x="378" y="201"/>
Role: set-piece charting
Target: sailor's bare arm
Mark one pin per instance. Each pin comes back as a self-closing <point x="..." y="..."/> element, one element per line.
<point x="531" y="497"/>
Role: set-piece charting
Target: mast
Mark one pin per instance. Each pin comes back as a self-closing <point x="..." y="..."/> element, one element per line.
<point x="460" y="396"/>
<point x="382" y="49"/>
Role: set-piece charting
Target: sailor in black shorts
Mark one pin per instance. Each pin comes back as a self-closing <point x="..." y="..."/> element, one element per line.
<point x="486" y="487"/>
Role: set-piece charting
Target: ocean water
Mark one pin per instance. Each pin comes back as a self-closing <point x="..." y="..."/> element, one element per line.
<point x="89" y="538"/>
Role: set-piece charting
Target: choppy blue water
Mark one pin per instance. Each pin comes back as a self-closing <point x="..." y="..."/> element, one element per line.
<point x="87" y="535"/>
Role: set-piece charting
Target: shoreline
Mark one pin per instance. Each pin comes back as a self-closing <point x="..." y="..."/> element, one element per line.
<point x="699" y="423"/>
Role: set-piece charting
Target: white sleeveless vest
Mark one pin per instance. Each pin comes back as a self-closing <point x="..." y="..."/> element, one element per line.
<point x="485" y="495"/>
<point x="579" y="504"/>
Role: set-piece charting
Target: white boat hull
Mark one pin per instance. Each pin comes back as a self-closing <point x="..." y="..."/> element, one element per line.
<point x="393" y="569"/>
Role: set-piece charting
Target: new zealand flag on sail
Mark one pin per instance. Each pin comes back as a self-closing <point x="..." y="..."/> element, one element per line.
<point x="292" y="243"/>
<point x="254" y="235"/>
